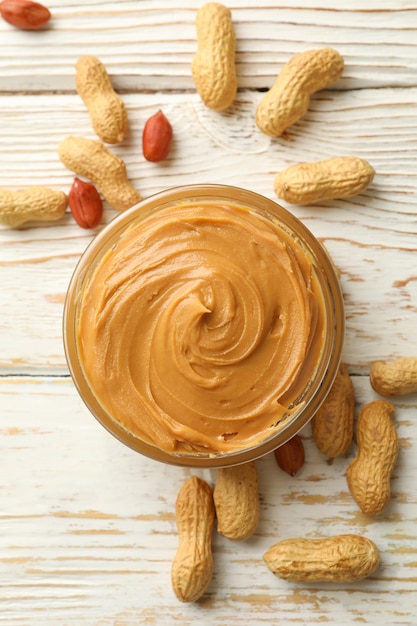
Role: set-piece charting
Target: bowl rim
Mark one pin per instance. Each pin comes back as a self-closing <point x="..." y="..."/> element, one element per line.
<point x="188" y="193"/>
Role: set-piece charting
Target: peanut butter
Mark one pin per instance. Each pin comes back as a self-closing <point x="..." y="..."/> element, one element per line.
<point x="200" y="329"/>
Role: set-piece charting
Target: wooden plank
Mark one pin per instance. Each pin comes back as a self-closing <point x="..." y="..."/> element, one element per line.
<point x="87" y="527"/>
<point x="371" y="237"/>
<point x="150" y="45"/>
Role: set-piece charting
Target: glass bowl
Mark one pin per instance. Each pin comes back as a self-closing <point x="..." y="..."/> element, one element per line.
<point x="204" y="326"/>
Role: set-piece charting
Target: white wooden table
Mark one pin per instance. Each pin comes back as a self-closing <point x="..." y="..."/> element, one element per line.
<point x="87" y="528"/>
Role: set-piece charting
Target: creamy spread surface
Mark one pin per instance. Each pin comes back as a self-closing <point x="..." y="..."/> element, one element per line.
<point x="199" y="329"/>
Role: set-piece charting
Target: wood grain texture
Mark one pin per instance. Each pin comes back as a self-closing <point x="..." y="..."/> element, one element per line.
<point x="149" y="45"/>
<point x="87" y="527"/>
<point x="371" y="237"/>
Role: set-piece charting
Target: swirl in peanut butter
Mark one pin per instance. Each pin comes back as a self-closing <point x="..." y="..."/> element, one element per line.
<point x="199" y="329"/>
